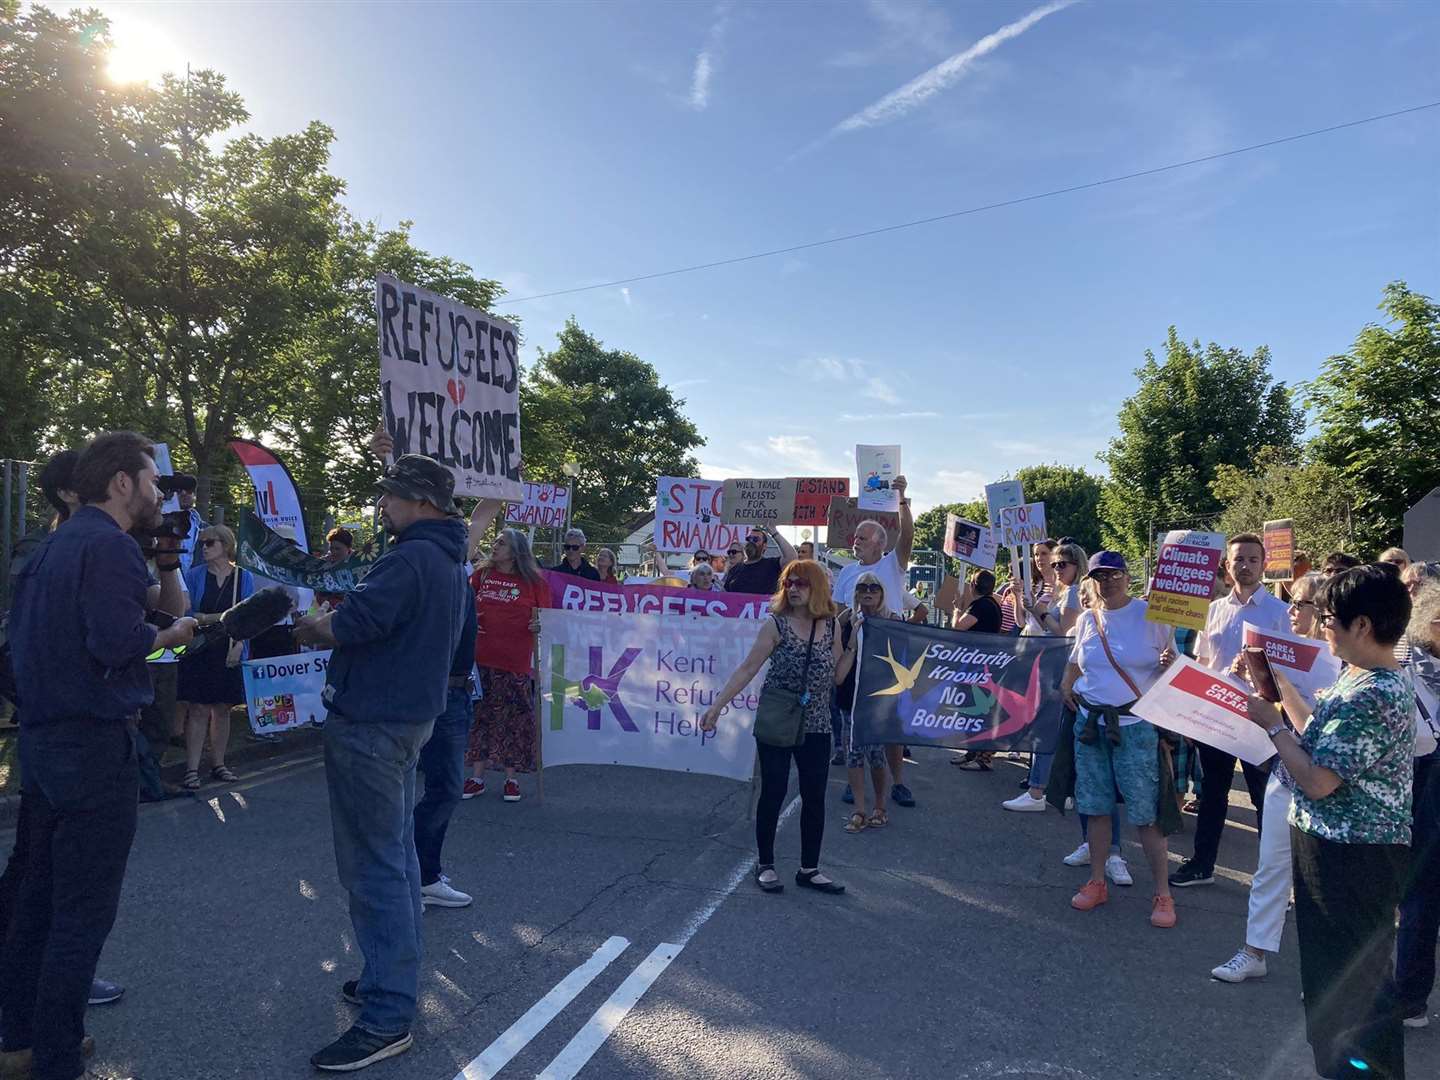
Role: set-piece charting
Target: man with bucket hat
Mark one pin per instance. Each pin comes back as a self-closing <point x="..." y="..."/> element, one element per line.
<point x="387" y="681"/>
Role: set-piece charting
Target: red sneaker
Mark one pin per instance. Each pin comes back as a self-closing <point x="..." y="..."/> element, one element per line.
<point x="1091" y="895"/>
<point x="512" y="791"/>
<point x="473" y="787"/>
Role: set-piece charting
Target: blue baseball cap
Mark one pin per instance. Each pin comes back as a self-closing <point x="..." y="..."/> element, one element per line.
<point x="1107" y="560"/>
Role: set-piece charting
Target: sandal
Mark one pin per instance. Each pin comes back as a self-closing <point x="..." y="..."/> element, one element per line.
<point x="878" y="819"/>
<point x="768" y="886"/>
<point x="807" y="881"/>
<point x="191" y="781"/>
<point x="857" y="823"/>
<point x="223" y="773"/>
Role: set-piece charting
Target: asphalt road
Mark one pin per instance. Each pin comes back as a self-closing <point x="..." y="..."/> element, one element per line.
<point x="609" y="924"/>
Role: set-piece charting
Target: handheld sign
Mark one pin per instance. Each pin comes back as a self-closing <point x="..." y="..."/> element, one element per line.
<point x="688" y="516"/>
<point x="1279" y="537"/>
<point x="813" y="495"/>
<point x="542" y="504"/>
<point x="757" y="502"/>
<point x="450" y="386"/>
<point x="1307" y="662"/>
<point x="1184" y="578"/>
<point x="970" y="542"/>
<point x="1204" y="705"/>
<point x="878" y="466"/>
<point x="1021" y="526"/>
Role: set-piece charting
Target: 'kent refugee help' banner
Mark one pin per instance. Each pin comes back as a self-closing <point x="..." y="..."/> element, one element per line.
<point x="632" y="691"/>
<point x="450" y="386"/>
<point x="923" y="685"/>
<point x="578" y="594"/>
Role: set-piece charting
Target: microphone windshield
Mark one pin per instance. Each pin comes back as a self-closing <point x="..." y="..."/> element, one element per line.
<point x="256" y="613"/>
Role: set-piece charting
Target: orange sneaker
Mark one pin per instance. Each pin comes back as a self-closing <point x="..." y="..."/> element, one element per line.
<point x="1091" y="895"/>
<point x="1163" y="913"/>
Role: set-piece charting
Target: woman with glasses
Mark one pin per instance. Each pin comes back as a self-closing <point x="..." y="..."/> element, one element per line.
<point x="1270" y="887"/>
<point x="799" y="641"/>
<point x="208" y="685"/>
<point x="869" y="604"/>
<point x="1350" y="823"/>
<point x="510" y="590"/>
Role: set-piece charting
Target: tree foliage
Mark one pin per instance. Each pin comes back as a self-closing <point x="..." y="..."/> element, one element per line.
<point x="1315" y="495"/>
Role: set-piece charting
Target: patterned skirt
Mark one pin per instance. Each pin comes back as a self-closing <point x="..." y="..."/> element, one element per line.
<point x="504" y="729"/>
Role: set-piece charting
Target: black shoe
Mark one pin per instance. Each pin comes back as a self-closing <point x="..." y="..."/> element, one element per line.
<point x="350" y="991"/>
<point x="1191" y="873"/>
<point x="167" y="791"/>
<point x="357" y="1048"/>
<point x="104" y="993"/>
<point x="807" y="881"/>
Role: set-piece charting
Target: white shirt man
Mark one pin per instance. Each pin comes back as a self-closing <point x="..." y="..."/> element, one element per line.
<point x="889" y="567"/>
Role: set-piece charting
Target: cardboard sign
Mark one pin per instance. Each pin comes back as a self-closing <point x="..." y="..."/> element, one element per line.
<point x="969" y="542"/>
<point x="878" y="466"/>
<point x="688" y="516"/>
<point x="845" y="517"/>
<point x="1184" y="578"/>
<point x="1022" y="526"/>
<point x="1000" y="495"/>
<point x="812" y="498"/>
<point x="1204" y="705"/>
<point x="547" y="505"/>
<point x="1279" y="539"/>
<point x="450" y="386"/>
<point x="757" y="502"/>
<point x="1307" y="662"/>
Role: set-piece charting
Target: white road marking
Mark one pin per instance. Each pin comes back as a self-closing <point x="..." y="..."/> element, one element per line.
<point x="514" y="1039"/>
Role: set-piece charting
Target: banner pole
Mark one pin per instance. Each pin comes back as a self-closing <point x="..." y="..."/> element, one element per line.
<point x="539" y="728"/>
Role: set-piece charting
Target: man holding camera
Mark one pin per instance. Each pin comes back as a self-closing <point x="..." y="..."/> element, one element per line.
<point x="79" y="640"/>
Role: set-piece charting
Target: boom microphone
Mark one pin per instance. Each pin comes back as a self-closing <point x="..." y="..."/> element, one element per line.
<point x="256" y="613"/>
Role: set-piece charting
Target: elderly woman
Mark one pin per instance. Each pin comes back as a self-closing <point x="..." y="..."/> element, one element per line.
<point x="1415" y="576"/>
<point x="799" y="641"/>
<point x="703" y="578"/>
<point x="1350" y="823"/>
<point x="1270" y="887"/>
<point x="869" y="604"/>
<point x="1420" y="908"/>
<point x="1118" y="655"/>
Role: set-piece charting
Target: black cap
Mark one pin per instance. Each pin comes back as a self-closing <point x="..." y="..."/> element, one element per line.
<point x="414" y="476"/>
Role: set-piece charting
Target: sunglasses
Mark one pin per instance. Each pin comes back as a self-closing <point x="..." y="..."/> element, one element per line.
<point x="1302" y="603"/>
<point x="797" y="583"/>
<point x="574" y="547"/>
<point x="869" y="588"/>
<point x="754" y="539"/>
<point x="734" y="551"/>
<point x="1107" y="575"/>
<point x="1060" y="564"/>
<point x="700" y="556"/>
<point x="1324" y="619"/>
<point x="207" y="543"/>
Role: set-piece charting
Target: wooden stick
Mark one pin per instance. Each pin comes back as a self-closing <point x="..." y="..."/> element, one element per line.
<point x="539" y="727"/>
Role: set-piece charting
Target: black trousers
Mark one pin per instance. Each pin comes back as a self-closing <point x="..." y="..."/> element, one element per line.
<point x="1345" y="897"/>
<point x="812" y="762"/>
<point x="79" y="801"/>
<point x="1219" y="768"/>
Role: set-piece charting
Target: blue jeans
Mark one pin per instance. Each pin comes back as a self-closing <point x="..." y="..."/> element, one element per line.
<point x="443" y="762"/>
<point x="370" y="769"/>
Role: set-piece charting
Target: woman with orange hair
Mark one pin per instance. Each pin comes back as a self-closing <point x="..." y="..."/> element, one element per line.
<point x="799" y="642"/>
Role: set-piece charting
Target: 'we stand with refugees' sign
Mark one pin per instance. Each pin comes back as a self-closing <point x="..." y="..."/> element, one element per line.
<point x="450" y="386"/>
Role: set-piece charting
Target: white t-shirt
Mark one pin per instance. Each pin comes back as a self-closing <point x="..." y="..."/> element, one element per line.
<point x="1220" y="642"/>
<point x="1137" y="644"/>
<point x="890" y="575"/>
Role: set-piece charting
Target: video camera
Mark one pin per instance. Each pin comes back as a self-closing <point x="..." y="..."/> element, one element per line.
<point x="174" y="525"/>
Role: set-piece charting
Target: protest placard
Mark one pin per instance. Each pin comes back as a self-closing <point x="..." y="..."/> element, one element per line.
<point x="1204" y="705"/>
<point x="547" y="505"/>
<point x="877" y="467"/>
<point x="577" y="594"/>
<point x="283" y="692"/>
<point x="1001" y="494"/>
<point x="1021" y="526"/>
<point x="1184" y="578"/>
<point x="1307" y="662"/>
<point x="450" y="386"/>
<point x="812" y="498"/>
<point x="757" y="502"/>
<point x="845" y="517"/>
<point x="632" y="691"/>
<point x="1279" y="537"/>
<point x="265" y="552"/>
<point x="969" y="542"/>
<point x="688" y="516"/>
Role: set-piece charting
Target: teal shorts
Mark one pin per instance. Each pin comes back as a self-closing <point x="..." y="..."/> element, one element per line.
<point x="1132" y="769"/>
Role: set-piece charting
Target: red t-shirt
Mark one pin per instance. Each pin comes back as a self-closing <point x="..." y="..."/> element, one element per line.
<point x="503" y="603"/>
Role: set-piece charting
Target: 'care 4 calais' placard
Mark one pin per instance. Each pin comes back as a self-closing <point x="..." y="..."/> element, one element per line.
<point x="450" y="386"/>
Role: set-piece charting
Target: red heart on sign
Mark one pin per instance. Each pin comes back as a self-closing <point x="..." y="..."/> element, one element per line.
<point x="457" y="391"/>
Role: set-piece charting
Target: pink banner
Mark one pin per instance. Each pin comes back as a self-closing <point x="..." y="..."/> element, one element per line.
<point x="578" y="594"/>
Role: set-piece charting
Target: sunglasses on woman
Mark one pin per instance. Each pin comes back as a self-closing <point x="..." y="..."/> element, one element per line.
<point x="1302" y="603"/>
<point x="574" y="547"/>
<point x="1060" y="564"/>
<point x="208" y="542"/>
<point x="797" y="583"/>
<point x="733" y="551"/>
<point x="869" y="588"/>
<point x="1107" y="575"/>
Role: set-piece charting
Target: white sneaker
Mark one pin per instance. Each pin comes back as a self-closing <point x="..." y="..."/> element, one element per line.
<point x="1117" y="871"/>
<point x="1240" y="967"/>
<point x="1025" y="803"/>
<point x="1069" y="802"/>
<point x="443" y="894"/>
<point x="1080" y="856"/>
<point x="1420" y="1021"/>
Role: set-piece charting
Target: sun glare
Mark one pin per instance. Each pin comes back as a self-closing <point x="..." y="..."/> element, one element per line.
<point x="139" y="53"/>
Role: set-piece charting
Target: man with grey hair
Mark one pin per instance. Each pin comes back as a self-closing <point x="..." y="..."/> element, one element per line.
<point x="574" y="562"/>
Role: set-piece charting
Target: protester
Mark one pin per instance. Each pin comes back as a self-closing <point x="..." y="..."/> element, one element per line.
<point x="701" y="557"/>
<point x="191" y="555"/>
<point x="78" y="639"/>
<point x="1396" y="557"/>
<point x="339" y="546"/>
<point x="510" y="590"/>
<point x="605" y="565"/>
<point x="1351" y="818"/>
<point x="55" y="479"/>
<point x="574" y="562"/>
<point x="209" y="683"/>
<point x="869" y="604"/>
<point x="870" y="554"/>
<point x="1042" y="588"/>
<point x="1218" y="648"/>
<point x="1300" y="564"/>
<point x="759" y="573"/>
<point x="1337" y="561"/>
<point x="393" y="641"/>
<point x="1419" y="925"/>
<point x="734" y="556"/>
<point x="703" y="578"/>
<point x="977" y="610"/>
<point x="1271" y="886"/>
<point x="799" y="642"/>
<point x="1417" y="574"/>
<point x="1118" y="655"/>
<point x="806" y="550"/>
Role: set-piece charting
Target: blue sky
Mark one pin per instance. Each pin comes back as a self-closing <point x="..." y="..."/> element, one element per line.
<point x="554" y="145"/>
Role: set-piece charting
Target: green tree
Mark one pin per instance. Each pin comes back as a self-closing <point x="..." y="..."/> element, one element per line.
<point x="1197" y="410"/>
<point x="1072" y="501"/>
<point x="1315" y="495"/>
<point x="1378" y="409"/>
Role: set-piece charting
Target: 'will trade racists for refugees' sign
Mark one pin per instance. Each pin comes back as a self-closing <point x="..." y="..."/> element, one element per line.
<point x="450" y="386"/>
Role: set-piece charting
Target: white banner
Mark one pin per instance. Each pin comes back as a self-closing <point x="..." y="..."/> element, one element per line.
<point x="877" y="467"/>
<point x="1001" y="494"/>
<point x="1204" y="705"/>
<point x="1307" y="662"/>
<point x="688" y="517"/>
<point x="283" y="692"/>
<point x="450" y="386"/>
<point x="543" y="504"/>
<point x="630" y="690"/>
<point x="1022" y="526"/>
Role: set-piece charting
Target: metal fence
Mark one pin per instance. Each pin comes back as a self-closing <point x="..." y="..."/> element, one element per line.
<point x="24" y="509"/>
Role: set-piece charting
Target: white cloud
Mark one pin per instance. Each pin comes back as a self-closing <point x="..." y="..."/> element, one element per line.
<point x="943" y="75"/>
<point x="952" y="485"/>
<point x="880" y="390"/>
<point x="806" y="455"/>
<point x="625" y="294"/>
<point x="723" y="472"/>
<point x="864" y="417"/>
<point x="902" y="26"/>
<point x="707" y="60"/>
<point x="856" y="373"/>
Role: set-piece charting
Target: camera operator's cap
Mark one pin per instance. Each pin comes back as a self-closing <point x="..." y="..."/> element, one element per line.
<point x="181" y="481"/>
<point x="1106" y="560"/>
<point x="414" y="476"/>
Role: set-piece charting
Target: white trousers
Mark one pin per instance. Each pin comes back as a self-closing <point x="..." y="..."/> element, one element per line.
<point x="1270" y="888"/>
